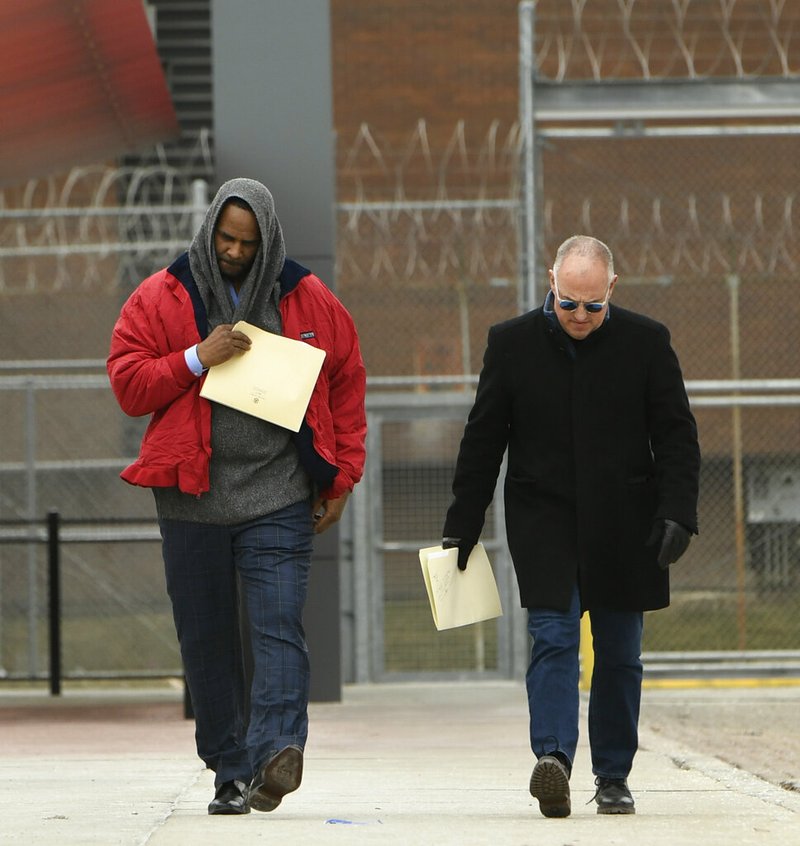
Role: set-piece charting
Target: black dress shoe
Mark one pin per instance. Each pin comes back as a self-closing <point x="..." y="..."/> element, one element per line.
<point x="230" y="798"/>
<point x="550" y="785"/>
<point x="613" y="797"/>
<point x="280" y="775"/>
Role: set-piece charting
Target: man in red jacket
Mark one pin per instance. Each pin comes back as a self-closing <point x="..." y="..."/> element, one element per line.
<point x="239" y="499"/>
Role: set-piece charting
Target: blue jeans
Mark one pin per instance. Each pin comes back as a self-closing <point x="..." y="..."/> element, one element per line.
<point x="615" y="695"/>
<point x="208" y="567"/>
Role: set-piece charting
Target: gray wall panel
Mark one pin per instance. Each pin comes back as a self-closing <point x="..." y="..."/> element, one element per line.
<point x="273" y="121"/>
<point x="273" y="116"/>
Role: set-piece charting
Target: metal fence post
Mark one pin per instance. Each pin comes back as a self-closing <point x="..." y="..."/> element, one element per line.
<point x="54" y="600"/>
<point x="199" y="202"/>
<point x="32" y="509"/>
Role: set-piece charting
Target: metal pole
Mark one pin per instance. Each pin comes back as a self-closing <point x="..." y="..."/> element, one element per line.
<point x="2" y="668"/>
<point x="54" y="601"/>
<point x="30" y="483"/>
<point x="527" y="299"/>
<point x="479" y="640"/>
<point x="738" y="480"/>
<point x="199" y="202"/>
<point x="376" y="560"/>
<point x="365" y="553"/>
<point x="463" y="316"/>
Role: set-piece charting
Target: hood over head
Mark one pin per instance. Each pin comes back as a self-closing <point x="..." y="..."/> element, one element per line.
<point x="261" y="284"/>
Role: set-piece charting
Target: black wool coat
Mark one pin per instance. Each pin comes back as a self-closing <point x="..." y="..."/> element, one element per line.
<point x="601" y="442"/>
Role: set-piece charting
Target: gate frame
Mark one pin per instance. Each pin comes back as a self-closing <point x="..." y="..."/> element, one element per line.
<point x="363" y="623"/>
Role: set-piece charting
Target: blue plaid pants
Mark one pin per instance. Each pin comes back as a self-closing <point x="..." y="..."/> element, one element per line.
<point x="265" y="564"/>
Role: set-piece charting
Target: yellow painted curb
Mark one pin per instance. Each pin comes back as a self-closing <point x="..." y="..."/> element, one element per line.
<point x="686" y="684"/>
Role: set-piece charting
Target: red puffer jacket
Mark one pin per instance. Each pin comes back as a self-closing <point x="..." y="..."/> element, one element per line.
<point x="165" y="315"/>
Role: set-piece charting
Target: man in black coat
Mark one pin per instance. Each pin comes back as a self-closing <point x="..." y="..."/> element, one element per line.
<point x="600" y="496"/>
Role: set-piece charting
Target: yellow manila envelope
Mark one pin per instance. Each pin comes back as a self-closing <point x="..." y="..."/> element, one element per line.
<point x="273" y="380"/>
<point x="459" y="597"/>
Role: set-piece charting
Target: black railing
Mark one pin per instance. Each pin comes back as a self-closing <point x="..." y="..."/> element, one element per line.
<point x="50" y="531"/>
<point x="54" y="600"/>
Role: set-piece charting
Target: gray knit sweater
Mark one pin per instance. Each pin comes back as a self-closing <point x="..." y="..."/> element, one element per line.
<point x="254" y="467"/>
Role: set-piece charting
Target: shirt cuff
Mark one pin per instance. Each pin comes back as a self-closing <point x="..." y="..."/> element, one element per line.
<point x="193" y="362"/>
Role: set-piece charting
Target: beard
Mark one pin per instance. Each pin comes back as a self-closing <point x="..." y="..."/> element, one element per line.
<point x="235" y="272"/>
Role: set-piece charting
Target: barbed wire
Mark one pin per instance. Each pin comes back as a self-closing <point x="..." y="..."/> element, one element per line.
<point x="412" y="214"/>
<point x="705" y="236"/>
<point x="100" y="225"/>
<point x="651" y="39"/>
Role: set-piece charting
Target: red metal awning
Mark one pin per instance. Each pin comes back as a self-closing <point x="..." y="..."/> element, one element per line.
<point x="80" y="82"/>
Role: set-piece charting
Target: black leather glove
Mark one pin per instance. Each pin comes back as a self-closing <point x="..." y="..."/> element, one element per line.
<point x="674" y="541"/>
<point x="464" y="548"/>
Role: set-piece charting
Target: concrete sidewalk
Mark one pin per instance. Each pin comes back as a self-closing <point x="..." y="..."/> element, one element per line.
<point x="391" y="764"/>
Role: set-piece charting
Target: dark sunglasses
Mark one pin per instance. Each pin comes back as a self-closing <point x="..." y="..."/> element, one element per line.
<point x="572" y="305"/>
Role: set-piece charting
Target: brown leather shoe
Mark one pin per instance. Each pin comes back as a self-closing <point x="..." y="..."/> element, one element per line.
<point x="280" y="775"/>
<point x="550" y="785"/>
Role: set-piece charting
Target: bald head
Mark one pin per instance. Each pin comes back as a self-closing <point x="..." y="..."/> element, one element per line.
<point x="582" y="279"/>
<point x="588" y="248"/>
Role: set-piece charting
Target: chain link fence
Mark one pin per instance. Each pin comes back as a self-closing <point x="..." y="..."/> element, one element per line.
<point x="735" y="590"/>
<point x="705" y="231"/>
<point x="424" y="278"/>
<point x="703" y="224"/>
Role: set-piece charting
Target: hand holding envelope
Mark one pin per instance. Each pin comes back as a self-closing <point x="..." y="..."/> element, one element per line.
<point x="273" y="380"/>
<point x="222" y="343"/>
<point x="459" y="597"/>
